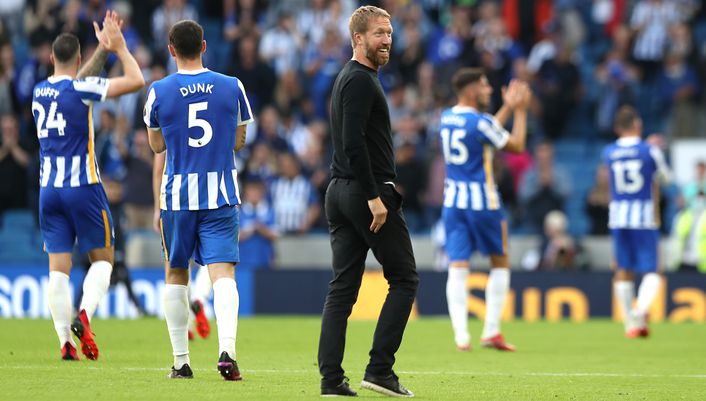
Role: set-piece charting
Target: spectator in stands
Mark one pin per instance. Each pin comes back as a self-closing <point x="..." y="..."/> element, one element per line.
<point x="242" y="18"/>
<point x="262" y="163"/>
<point x="257" y="228"/>
<point x="689" y="236"/>
<point x="270" y="130"/>
<point x="506" y="186"/>
<point x="8" y="104"/>
<point x="72" y="22"/>
<point x="545" y="187"/>
<point x="650" y="20"/>
<point x="559" y="251"/>
<point x="559" y="86"/>
<point x="322" y="62"/>
<point x="677" y="85"/>
<point x="313" y="22"/>
<point x="410" y="181"/>
<point x="166" y="15"/>
<point x="410" y="55"/>
<point x="138" y="202"/>
<point x="316" y="163"/>
<point x="526" y="18"/>
<point x="294" y="200"/>
<point x="280" y="45"/>
<point x="14" y="159"/>
<point x="597" y="202"/>
<point x="697" y="185"/>
<point x="257" y="77"/>
<point x="34" y="70"/>
<point x="42" y="20"/>
<point x="289" y="93"/>
<point x="613" y="90"/>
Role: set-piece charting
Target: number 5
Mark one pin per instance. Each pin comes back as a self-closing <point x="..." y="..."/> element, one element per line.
<point x="198" y="122"/>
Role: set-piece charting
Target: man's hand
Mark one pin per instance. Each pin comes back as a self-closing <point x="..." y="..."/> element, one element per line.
<point x="379" y="212"/>
<point x="510" y="94"/>
<point x="110" y="36"/>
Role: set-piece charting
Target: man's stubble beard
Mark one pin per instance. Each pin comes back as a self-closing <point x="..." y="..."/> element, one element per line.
<point x="373" y="56"/>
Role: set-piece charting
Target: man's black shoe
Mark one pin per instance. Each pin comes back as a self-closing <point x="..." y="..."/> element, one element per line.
<point x="183" y="373"/>
<point x="342" y="389"/>
<point x="388" y="385"/>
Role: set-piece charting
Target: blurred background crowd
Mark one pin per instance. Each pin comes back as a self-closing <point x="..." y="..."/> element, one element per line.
<point x="582" y="58"/>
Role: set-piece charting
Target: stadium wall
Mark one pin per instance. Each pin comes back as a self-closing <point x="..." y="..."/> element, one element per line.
<point x="534" y="295"/>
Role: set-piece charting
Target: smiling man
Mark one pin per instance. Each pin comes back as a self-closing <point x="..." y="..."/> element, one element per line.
<point x="364" y="211"/>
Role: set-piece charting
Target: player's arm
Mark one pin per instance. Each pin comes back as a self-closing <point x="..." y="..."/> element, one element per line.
<point x="245" y="116"/>
<point x="157" y="170"/>
<point x="114" y="41"/>
<point x="95" y="64"/>
<point x="240" y="137"/>
<point x="663" y="172"/>
<point x="518" y="139"/>
<point x="156" y="140"/>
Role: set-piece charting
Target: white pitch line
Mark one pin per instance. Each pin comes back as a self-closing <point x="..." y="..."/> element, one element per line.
<point x="406" y="372"/>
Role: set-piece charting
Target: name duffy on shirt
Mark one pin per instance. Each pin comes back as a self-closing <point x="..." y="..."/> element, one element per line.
<point x="46" y="92"/>
<point x="196" y="88"/>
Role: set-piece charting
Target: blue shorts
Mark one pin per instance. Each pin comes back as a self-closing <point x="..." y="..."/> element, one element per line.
<point x="468" y="231"/>
<point x="210" y="236"/>
<point x="70" y="214"/>
<point x="636" y="250"/>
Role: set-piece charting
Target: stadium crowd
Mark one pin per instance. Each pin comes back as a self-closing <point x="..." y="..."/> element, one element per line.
<point x="582" y="59"/>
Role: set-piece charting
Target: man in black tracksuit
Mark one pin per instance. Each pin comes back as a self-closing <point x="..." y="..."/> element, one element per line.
<point x="364" y="212"/>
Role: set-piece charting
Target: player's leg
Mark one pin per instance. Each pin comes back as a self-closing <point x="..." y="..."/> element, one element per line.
<point x="59" y="299"/>
<point x="93" y="223"/>
<point x="647" y="262"/>
<point x="458" y="248"/>
<point x="217" y="247"/>
<point x="491" y="232"/>
<point x="200" y="292"/>
<point x="226" y="302"/>
<point x="623" y="280"/>
<point x="59" y="239"/>
<point x="178" y="241"/>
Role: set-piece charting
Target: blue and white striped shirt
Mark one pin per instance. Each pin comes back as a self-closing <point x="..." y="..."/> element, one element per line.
<point x="469" y="139"/>
<point x="62" y="110"/>
<point x="198" y="113"/>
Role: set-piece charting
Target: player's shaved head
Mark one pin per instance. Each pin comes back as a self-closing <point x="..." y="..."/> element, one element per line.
<point x="625" y="118"/>
<point x="465" y="77"/>
<point x="186" y="37"/>
<point x="65" y="48"/>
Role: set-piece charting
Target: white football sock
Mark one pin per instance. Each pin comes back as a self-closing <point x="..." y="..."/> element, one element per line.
<point x="59" y="298"/>
<point x="176" y="312"/>
<point x="624" y="293"/>
<point x="225" y="305"/>
<point x="456" y="298"/>
<point x="649" y="287"/>
<point x="495" y="294"/>
<point x="95" y="285"/>
<point x="201" y="289"/>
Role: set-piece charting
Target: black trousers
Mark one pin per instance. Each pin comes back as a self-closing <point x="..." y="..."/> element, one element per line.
<point x="349" y="221"/>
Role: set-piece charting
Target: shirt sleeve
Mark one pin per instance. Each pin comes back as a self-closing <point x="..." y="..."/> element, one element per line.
<point x="355" y="97"/>
<point x="492" y="132"/>
<point x="92" y="89"/>
<point x="662" y="170"/>
<point x="150" y="111"/>
<point x="244" y="112"/>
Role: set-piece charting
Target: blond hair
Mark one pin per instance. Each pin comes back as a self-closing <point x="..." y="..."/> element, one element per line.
<point x="360" y="18"/>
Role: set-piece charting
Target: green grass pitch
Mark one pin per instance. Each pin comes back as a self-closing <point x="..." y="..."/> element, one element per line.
<point x="277" y="356"/>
